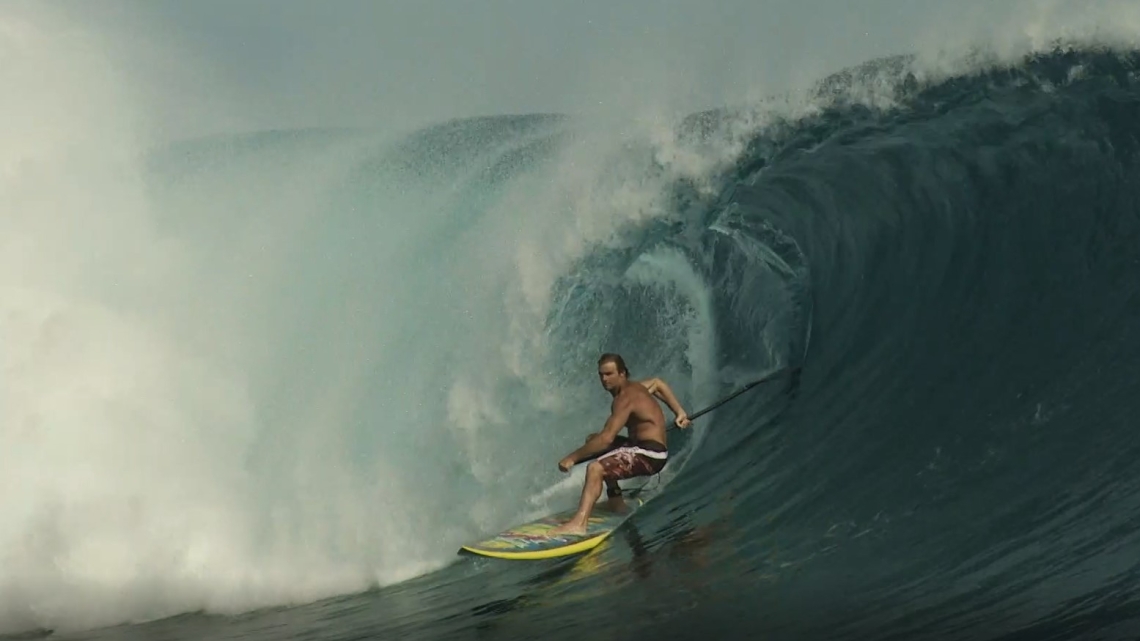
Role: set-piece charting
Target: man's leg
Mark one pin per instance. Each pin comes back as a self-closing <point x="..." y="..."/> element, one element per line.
<point x="625" y="464"/>
<point x="614" y="500"/>
<point x="613" y="490"/>
<point x="591" y="492"/>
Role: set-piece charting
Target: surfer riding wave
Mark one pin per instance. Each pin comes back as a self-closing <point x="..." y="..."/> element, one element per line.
<point x="643" y="453"/>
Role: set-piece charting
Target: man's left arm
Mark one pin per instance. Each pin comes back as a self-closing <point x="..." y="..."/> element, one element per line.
<point x="601" y="441"/>
<point x="661" y="390"/>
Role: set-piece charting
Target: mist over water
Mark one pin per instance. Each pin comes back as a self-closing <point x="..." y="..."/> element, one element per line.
<point x="252" y="370"/>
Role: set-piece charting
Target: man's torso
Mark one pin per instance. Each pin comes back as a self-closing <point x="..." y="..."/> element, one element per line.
<point x="646" y="420"/>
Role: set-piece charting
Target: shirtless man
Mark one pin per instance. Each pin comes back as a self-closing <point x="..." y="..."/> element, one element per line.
<point x="642" y="454"/>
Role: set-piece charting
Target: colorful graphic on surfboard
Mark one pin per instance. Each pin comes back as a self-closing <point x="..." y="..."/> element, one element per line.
<point x="531" y="541"/>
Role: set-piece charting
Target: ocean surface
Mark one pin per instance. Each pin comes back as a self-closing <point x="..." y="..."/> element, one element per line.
<point x="262" y="387"/>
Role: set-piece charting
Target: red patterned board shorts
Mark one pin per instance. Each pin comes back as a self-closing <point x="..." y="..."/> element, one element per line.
<point x="628" y="459"/>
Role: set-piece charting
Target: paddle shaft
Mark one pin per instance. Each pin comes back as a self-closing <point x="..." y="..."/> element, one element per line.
<point x="738" y="392"/>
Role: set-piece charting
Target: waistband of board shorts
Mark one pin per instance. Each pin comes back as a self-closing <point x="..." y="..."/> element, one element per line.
<point x="653" y="454"/>
<point x="641" y="449"/>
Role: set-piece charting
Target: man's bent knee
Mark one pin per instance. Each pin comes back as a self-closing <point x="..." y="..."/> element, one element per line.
<point x="595" y="469"/>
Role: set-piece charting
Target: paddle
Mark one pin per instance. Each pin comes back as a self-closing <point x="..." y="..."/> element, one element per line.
<point x="738" y="392"/>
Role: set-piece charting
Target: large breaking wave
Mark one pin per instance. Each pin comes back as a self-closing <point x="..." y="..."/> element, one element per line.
<point x="261" y="370"/>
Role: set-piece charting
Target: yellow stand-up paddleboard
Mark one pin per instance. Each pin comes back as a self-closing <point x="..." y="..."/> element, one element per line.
<point x="532" y="540"/>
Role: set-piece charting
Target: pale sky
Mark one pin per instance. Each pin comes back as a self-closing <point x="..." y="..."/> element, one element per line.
<point x="406" y="62"/>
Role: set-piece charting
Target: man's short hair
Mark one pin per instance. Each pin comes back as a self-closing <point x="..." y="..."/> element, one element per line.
<point x="610" y="357"/>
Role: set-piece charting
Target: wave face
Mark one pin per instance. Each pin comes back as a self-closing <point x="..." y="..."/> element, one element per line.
<point x="318" y="361"/>
<point x="959" y="461"/>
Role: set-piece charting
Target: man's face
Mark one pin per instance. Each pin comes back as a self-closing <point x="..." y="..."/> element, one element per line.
<point x="608" y="375"/>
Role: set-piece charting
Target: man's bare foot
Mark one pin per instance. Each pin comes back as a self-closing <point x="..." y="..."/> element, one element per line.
<point x="569" y="528"/>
